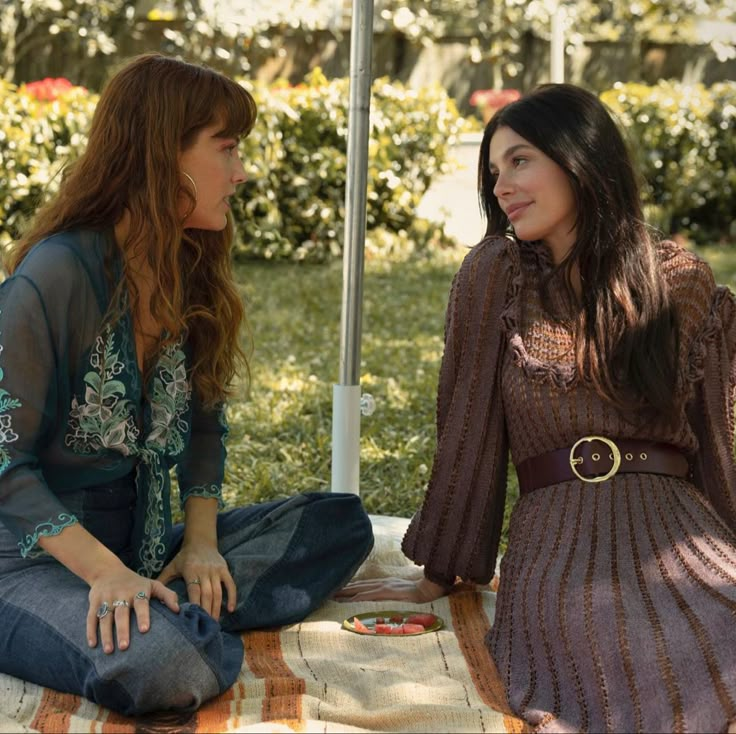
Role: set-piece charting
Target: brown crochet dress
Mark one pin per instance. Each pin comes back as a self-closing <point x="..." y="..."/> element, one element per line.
<point x="617" y="604"/>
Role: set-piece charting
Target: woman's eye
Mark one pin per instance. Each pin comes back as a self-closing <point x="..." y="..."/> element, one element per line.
<point x="519" y="159"/>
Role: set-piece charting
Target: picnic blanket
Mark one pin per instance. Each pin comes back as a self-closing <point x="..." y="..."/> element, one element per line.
<point x="317" y="677"/>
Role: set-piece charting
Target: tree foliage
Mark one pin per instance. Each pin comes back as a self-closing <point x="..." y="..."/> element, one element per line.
<point x="226" y="33"/>
<point x="88" y="27"/>
<point x="496" y="27"/>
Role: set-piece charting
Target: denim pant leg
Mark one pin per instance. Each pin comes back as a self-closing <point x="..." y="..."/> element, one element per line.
<point x="287" y="557"/>
<point x="181" y="662"/>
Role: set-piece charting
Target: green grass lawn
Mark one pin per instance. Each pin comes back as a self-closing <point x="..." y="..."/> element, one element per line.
<point x="280" y="441"/>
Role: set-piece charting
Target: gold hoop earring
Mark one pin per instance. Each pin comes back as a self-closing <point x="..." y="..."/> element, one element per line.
<point x="194" y="185"/>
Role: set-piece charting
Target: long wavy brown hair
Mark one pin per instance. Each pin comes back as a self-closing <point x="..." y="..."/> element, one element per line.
<point x="626" y="328"/>
<point x="148" y="113"/>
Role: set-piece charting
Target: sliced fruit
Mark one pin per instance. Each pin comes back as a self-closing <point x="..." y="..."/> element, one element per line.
<point x="360" y="627"/>
<point x="426" y="620"/>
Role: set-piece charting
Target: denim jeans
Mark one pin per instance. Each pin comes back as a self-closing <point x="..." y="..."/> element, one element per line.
<point x="286" y="558"/>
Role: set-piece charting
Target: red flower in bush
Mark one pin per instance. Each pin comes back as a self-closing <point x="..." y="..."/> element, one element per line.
<point x="495" y="98"/>
<point x="48" y="89"/>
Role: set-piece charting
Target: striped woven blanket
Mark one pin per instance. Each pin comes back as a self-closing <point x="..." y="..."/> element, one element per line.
<point x="317" y="677"/>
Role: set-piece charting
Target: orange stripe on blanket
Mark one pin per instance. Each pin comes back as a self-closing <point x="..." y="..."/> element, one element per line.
<point x="55" y="711"/>
<point x="282" y="702"/>
<point x="117" y="724"/>
<point x="181" y="722"/>
<point x="218" y="714"/>
<point x="471" y="625"/>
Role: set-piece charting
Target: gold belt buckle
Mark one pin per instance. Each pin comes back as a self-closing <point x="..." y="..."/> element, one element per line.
<point x="615" y="455"/>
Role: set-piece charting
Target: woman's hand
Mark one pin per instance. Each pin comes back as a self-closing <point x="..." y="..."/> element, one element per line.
<point x="205" y="572"/>
<point x="396" y="589"/>
<point x="114" y="589"/>
<point x="112" y="597"/>
<point x="199" y="562"/>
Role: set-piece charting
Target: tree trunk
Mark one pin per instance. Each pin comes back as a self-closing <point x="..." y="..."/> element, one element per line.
<point x="9" y="17"/>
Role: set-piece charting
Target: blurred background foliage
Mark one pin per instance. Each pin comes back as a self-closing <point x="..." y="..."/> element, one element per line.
<point x="493" y="40"/>
<point x="684" y="139"/>
<point x="292" y="206"/>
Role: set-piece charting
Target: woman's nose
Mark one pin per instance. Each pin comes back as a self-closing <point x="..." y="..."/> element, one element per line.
<point x="239" y="174"/>
<point x="502" y="185"/>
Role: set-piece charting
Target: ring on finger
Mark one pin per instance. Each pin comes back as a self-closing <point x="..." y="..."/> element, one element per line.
<point x="141" y="595"/>
<point x="194" y="581"/>
<point x="120" y="603"/>
<point x="102" y="610"/>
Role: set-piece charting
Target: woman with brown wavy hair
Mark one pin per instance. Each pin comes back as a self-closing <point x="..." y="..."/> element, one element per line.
<point x="604" y="361"/>
<point x="119" y="329"/>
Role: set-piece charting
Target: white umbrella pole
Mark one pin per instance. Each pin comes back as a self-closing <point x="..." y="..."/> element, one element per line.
<point x="346" y="394"/>
<point x="557" y="46"/>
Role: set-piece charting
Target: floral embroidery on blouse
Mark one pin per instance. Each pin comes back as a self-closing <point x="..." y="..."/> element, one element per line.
<point x="28" y="547"/>
<point x="153" y="546"/>
<point x="105" y="420"/>
<point x="170" y="401"/>
<point x="85" y="419"/>
<point x="212" y="491"/>
<point x="7" y="434"/>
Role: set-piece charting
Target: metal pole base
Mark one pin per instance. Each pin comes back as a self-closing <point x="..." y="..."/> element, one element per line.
<point x="346" y="438"/>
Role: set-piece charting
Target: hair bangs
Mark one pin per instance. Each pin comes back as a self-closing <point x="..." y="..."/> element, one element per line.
<point x="215" y="100"/>
<point x="236" y="111"/>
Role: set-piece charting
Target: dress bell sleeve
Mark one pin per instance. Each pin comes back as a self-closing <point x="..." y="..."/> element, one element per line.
<point x="35" y="305"/>
<point x="457" y="530"/>
<point x="201" y="470"/>
<point x="711" y="410"/>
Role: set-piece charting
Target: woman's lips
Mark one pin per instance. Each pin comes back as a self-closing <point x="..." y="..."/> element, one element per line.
<point x="516" y="210"/>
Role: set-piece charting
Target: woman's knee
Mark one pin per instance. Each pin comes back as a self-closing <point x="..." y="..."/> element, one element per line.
<point x="181" y="662"/>
<point x="345" y="513"/>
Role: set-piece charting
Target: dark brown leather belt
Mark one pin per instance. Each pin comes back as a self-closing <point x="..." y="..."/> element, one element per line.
<point x="597" y="458"/>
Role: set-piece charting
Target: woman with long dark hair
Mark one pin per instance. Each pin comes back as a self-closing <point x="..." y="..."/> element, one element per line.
<point x="119" y="338"/>
<point x="604" y="360"/>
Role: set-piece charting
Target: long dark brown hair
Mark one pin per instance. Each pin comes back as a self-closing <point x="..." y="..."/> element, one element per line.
<point x="148" y="113"/>
<point x="626" y="330"/>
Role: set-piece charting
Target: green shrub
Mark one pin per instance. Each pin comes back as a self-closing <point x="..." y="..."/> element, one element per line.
<point x="683" y="139"/>
<point x="293" y="204"/>
<point x="37" y="137"/>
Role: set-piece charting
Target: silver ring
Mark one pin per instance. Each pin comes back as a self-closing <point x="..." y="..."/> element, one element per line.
<point x="103" y="610"/>
<point x="194" y="581"/>
<point x="120" y="603"/>
<point x="141" y="595"/>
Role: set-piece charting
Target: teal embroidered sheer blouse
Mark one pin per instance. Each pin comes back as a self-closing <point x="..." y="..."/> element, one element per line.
<point x="73" y="416"/>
